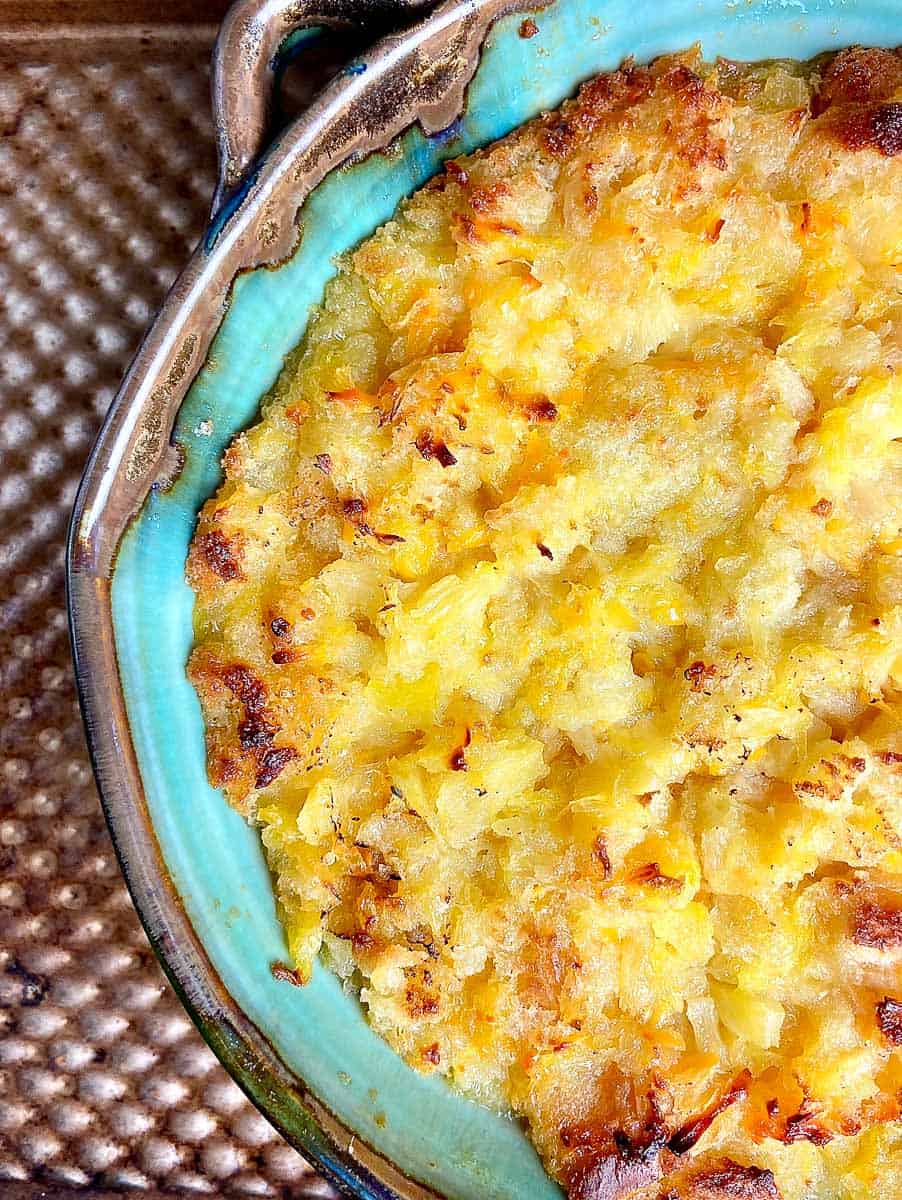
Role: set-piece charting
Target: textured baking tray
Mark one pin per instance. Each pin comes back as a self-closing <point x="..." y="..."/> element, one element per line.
<point x="106" y="169"/>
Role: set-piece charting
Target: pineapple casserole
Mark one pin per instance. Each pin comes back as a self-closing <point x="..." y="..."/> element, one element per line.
<point x="549" y="627"/>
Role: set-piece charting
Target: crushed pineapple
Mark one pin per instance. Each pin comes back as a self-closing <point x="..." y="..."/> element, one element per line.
<point x="549" y="626"/>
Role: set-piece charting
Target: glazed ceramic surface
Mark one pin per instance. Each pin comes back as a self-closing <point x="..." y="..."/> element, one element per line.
<point x="306" y="1055"/>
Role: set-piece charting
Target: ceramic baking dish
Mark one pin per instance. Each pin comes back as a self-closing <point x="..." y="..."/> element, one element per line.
<point x="459" y="78"/>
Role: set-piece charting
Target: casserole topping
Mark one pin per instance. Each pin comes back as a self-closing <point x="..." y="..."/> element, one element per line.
<point x="549" y="625"/>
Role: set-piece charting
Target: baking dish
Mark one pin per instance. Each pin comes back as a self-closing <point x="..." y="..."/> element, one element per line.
<point x="461" y="77"/>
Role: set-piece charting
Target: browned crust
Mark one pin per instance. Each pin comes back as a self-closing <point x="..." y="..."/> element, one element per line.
<point x="727" y="1180"/>
<point x="889" y="1019"/>
<point x="872" y="126"/>
<point x="876" y="926"/>
<point x="859" y="75"/>
<point x="804" y="1126"/>
<point x="221" y="554"/>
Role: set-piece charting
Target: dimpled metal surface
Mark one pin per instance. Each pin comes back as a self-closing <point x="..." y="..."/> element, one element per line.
<point x="106" y="169"/>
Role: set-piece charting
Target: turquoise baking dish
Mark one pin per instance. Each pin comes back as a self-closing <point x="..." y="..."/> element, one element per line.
<point x="459" y="78"/>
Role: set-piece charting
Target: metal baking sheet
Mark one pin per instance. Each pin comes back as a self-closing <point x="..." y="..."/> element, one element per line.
<point x="106" y="169"/>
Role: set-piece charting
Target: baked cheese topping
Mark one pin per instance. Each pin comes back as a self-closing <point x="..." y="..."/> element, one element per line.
<point x="549" y="626"/>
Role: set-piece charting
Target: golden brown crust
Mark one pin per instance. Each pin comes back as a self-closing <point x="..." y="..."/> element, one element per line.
<point x="859" y="75"/>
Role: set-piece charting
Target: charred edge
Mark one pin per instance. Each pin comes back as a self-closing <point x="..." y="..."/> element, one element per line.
<point x="528" y="28"/>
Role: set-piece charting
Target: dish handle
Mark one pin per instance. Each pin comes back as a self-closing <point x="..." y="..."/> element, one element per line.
<point x="245" y="63"/>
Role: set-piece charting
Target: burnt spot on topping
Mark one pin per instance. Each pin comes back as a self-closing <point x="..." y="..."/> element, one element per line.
<point x="540" y="410"/>
<point x="713" y="232"/>
<point x="729" y="1180"/>
<point x="859" y="76"/>
<point x="601" y="856"/>
<point x="458" y="760"/>
<point x="607" y="1163"/>
<point x="282" y="657"/>
<point x="324" y="463"/>
<point x="421" y="937"/>
<point x="355" y="509"/>
<point x="465" y="228"/>
<point x="890" y="758"/>
<point x="803" y="1126"/>
<point x="457" y="172"/>
<point x="307" y="614"/>
<point x="420" y="1002"/>
<point x="528" y="28"/>
<point x="484" y="200"/>
<point x="699" y="676"/>
<point x="650" y="875"/>
<point x="544" y="551"/>
<point x="256" y="730"/>
<point x="272" y="763"/>
<point x="388" y="539"/>
<point x="690" y="1132"/>
<point x="223" y="770"/>
<point x="431" y="1054"/>
<point x="280" y="627"/>
<point x="285" y="974"/>
<point x="823" y="508"/>
<point x="430" y="447"/>
<point x="221" y="554"/>
<point x="875" y="126"/>
<point x="617" y="1175"/>
<point x="877" y="927"/>
<point x="889" y="1019"/>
